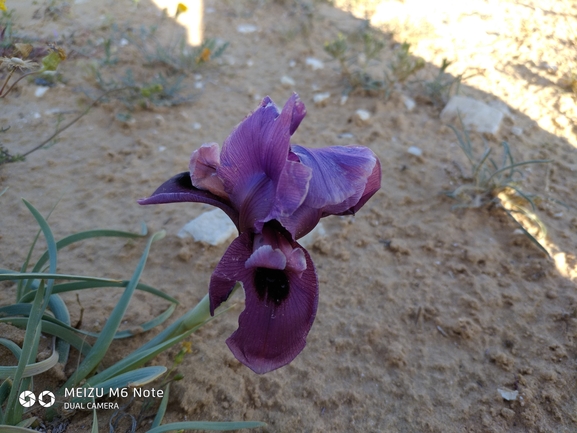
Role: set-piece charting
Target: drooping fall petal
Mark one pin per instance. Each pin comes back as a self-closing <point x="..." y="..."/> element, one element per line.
<point x="179" y="188"/>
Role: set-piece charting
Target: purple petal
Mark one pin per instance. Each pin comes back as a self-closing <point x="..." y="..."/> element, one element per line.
<point x="203" y="165"/>
<point x="266" y="257"/>
<point x="373" y="185"/>
<point x="254" y="158"/>
<point x="229" y="270"/>
<point x="179" y="189"/>
<point x="271" y="334"/>
<point x="340" y="176"/>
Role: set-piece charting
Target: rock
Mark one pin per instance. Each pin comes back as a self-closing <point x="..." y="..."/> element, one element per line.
<point x="409" y="103"/>
<point x="314" y="63"/>
<point x="414" y="150"/>
<point x="246" y="28"/>
<point x="475" y="115"/>
<point x="213" y="227"/>
<point x="508" y="394"/>
<point x="40" y="91"/>
<point x="515" y="130"/>
<point x="361" y="117"/>
<point x="321" y="99"/>
<point x="287" y="81"/>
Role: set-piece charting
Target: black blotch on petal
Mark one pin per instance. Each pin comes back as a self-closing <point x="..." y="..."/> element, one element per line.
<point x="271" y="284"/>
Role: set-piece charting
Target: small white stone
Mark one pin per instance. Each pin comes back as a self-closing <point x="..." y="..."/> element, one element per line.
<point x="409" y="103"/>
<point x="123" y="42"/>
<point x="249" y="63"/>
<point x="315" y="63"/>
<point x="246" y="28"/>
<point x="37" y="115"/>
<point x="198" y="85"/>
<point x="508" y="394"/>
<point x="363" y="115"/>
<point x="196" y="125"/>
<point x="292" y="64"/>
<point x="161" y="148"/>
<point x="287" y="81"/>
<point x="414" y="150"/>
<point x="40" y="91"/>
<point x="197" y="77"/>
<point x="213" y="228"/>
<point x="321" y="99"/>
<point x="344" y="99"/>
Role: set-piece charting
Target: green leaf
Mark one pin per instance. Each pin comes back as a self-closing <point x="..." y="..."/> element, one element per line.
<point x="101" y="345"/>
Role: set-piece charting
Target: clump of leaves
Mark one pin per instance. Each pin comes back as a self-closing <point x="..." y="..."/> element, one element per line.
<point x="355" y="64"/>
<point x="443" y="86"/>
<point x="159" y="91"/>
<point x="499" y="183"/>
<point x="39" y="309"/>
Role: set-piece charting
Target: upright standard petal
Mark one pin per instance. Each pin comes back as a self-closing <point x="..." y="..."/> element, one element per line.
<point x="203" y="164"/>
<point x="254" y="165"/>
<point x="180" y="189"/>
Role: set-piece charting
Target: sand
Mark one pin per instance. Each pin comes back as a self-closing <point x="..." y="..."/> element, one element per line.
<point x="425" y="311"/>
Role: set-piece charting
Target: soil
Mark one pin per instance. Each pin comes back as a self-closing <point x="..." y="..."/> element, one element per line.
<point x="426" y="311"/>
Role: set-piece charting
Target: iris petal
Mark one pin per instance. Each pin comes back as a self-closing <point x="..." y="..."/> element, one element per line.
<point x="203" y="164"/>
<point x="254" y="165"/>
<point x="271" y="334"/>
<point x="179" y="189"/>
<point x="340" y="175"/>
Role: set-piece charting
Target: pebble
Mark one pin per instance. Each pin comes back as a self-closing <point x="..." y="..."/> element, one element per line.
<point x="196" y="125"/>
<point x="213" y="227"/>
<point x="40" y="91"/>
<point x="246" y="28"/>
<point x="409" y="103"/>
<point x="364" y="115"/>
<point x="508" y="394"/>
<point x="515" y="130"/>
<point x="287" y="81"/>
<point x="315" y="63"/>
<point x="321" y="99"/>
<point x="414" y="150"/>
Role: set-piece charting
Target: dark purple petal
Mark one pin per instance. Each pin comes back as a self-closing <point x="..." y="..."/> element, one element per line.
<point x="272" y="332"/>
<point x="230" y="269"/>
<point x="340" y="176"/>
<point x="179" y="189"/>
<point x="254" y="160"/>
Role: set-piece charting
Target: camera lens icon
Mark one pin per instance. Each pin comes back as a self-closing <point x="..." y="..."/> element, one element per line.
<point x="46" y="399"/>
<point x="27" y="398"/>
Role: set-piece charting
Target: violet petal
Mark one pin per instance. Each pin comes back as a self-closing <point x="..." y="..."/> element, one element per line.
<point x="253" y="160"/>
<point x="203" y="164"/>
<point x="271" y="334"/>
<point x="179" y="189"/>
<point x="340" y="176"/>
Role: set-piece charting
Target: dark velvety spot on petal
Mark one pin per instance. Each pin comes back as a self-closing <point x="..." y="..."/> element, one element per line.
<point x="271" y="284"/>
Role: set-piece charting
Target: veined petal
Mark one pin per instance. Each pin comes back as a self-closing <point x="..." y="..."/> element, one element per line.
<point x="230" y="269"/>
<point x="372" y="186"/>
<point x="254" y="155"/>
<point x="179" y="189"/>
<point x="340" y="176"/>
<point x="203" y="164"/>
<point x="272" y="332"/>
<point x="266" y="257"/>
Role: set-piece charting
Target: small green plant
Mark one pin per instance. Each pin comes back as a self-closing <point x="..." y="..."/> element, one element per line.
<point x="39" y="310"/>
<point x="443" y="86"/>
<point x="355" y="65"/>
<point x="491" y="182"/>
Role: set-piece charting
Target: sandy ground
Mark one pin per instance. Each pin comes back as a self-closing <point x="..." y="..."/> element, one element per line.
<point x="425" y="312"/>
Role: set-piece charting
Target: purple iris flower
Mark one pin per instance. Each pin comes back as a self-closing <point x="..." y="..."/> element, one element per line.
<point x="275" y="193"/>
